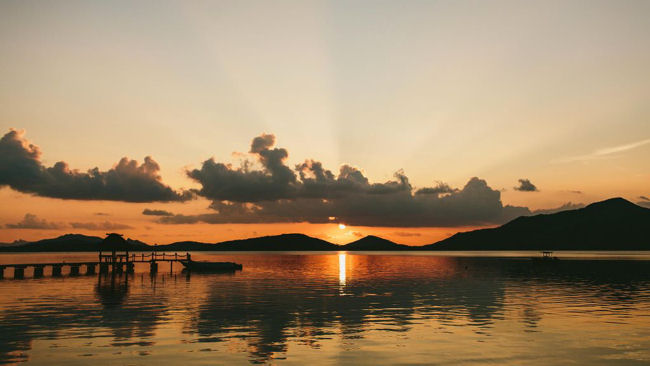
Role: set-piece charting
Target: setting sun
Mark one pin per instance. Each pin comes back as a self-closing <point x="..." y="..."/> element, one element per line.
<point x="342" y="226"/>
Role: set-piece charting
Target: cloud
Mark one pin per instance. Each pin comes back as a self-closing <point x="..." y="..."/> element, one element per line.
<point x="31" y="221"/>
<point x="526" y="185"/>
<point x="22" y="170"/>
<point x="149" y="212"/>
<point x="564" y="207"/>
<point x="101" y="214"/>
<point x="474" y="204"/>
<point x="99" y="226"/>
<point x="600" y="153"/>
<point x="406" y="234"/>
<point x="438" y="189"/>
<point x="309" y="192"/>
<point x="645" y="201"/>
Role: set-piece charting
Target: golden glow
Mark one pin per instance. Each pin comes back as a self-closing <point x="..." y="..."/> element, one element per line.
<point x="342" y="274"/>
<point x="342" y="226"/>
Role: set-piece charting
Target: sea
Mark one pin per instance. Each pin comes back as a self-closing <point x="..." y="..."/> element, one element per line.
<point x="353" y="308"/>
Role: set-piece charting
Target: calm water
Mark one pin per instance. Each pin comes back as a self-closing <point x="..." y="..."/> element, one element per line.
<point x="332" y="308"/>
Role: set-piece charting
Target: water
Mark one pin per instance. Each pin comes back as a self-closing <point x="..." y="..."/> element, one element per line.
<point x="336" y="308"/>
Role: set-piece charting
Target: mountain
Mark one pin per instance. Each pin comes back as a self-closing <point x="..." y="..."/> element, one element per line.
<point x="68" y="243"/>
<point x="185" y="246"/>
<point x="15" y="243"/>
<point x="613" y="224"/>
<point x="284" y="242"/>
<point x="372" y="242"/>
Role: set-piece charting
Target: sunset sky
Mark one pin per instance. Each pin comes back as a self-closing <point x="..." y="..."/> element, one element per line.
<point x="410" y="120"/>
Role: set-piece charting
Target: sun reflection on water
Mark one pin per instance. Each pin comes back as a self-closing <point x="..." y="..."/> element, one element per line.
<point x="342" y="269"/>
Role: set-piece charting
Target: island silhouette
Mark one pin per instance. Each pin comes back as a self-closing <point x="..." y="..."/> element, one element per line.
<point x="613" y="224"/>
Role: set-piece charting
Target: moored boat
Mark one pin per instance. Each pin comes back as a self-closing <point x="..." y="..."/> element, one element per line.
<point x="210" y="266"/>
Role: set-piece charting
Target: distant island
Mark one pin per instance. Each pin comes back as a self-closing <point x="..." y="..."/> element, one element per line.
<point x="613" y="224"/>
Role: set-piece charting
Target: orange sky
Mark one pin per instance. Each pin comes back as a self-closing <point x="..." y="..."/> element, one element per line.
<point x="556" y="93"/>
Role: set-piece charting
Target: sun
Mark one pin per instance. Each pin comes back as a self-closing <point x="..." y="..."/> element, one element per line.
<point x="342" y="226"/>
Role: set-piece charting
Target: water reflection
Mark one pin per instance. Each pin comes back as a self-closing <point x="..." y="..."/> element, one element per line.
<point x="342" y="270"/>
<point x="339" y="304"/>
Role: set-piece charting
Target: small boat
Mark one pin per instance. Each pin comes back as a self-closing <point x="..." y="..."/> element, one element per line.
<point x="203" y="266"/>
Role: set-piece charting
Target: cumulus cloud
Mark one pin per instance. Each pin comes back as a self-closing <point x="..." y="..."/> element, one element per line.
<point x="150" y="212"/>
<point x="31" y="221"/>
<point x="525" y="185"/>
<point x="386" y="204"/>
<point x="223" y="182"/>
<point x="106" y="225"/>
<point x="22" y="170"/>
<point x="564" y="207"/>
<point x="309" y="192"/>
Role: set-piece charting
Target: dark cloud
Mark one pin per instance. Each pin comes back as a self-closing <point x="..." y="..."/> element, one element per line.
<point x="438" y="189"/>
<point x="106" y="225"/>
<point x="129" y="181"/>
<point x="564" y="207"/>
<point x="526" y="185"/>
<point x="101" y="214"/>
<point x="475" y="204"/>
<point x="644" y="198"/>
<point x="311" y="193"/>
<point x="223" y="182"/>
<point x="31" y="221"/>
<point x="149" y="212"/>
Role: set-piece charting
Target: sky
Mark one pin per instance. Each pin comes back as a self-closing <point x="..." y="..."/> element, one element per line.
<point x="409" y="120"/>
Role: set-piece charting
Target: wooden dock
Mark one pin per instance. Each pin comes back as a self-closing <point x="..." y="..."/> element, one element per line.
<point x="115" y="263"/>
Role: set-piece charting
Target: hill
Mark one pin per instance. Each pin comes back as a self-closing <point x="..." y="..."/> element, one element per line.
<point x="372" y="242"/>
<point x="284" y="242"/>
<point x="613" y="224"/>
<point x="68" y="243"/>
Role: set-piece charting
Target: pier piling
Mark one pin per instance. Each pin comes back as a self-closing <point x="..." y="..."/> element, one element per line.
<point x="56" y="270"/>
<point x="74" y="270"/>
<point x="153" y="267"/>
<point x="19" y="272"/>
<point x="90" y="269"/>
<point x="38" y="271"/>
<point x="2" y="272"/>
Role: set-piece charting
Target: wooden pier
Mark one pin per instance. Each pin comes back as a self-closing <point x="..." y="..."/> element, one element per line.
<point x="118" y="261"/>
<point x="90" y="268"/>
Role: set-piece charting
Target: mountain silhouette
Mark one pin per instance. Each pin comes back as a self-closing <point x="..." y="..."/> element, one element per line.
<point x="372" y="242"/>
<point x="284" y="242"/>
<point x="70" y="243"/>
<point x="613" y="224"/>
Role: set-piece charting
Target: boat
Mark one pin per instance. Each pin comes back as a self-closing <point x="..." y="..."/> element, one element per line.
<point x="204" y="266"/>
